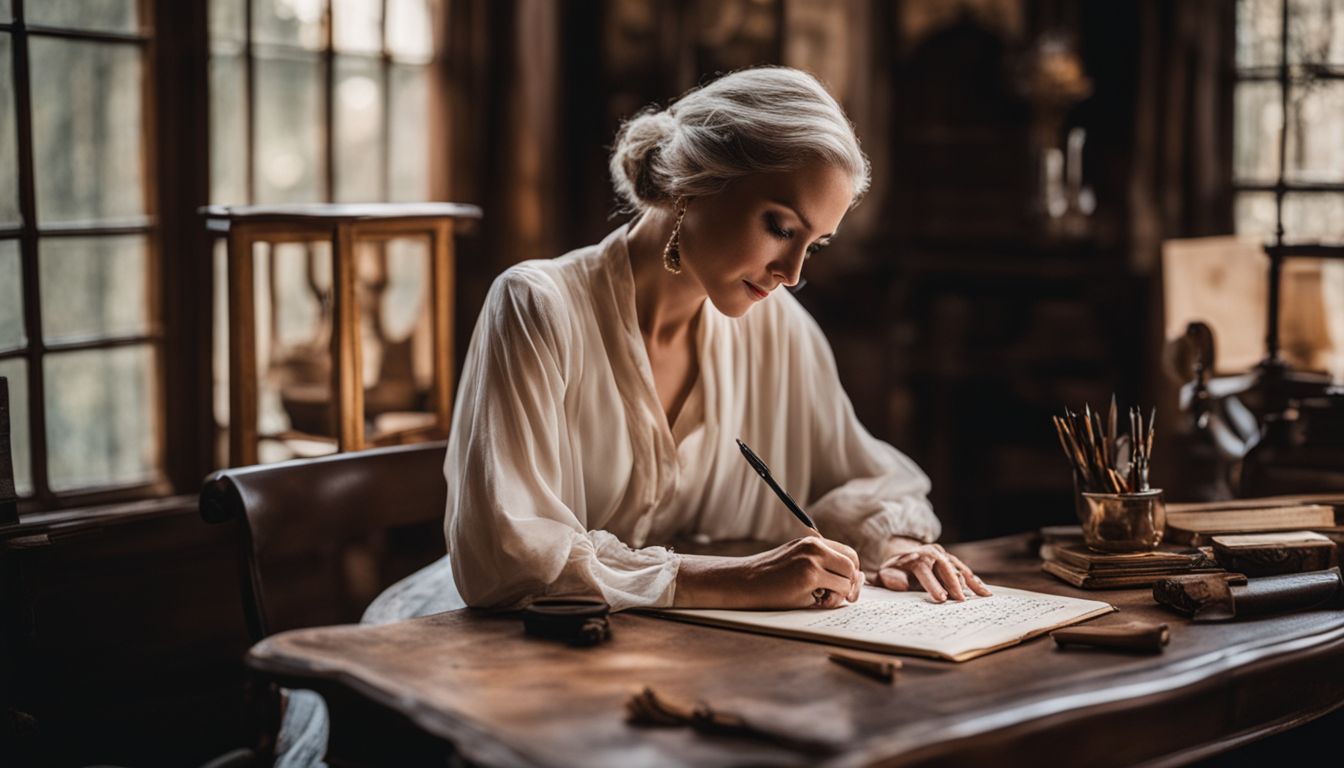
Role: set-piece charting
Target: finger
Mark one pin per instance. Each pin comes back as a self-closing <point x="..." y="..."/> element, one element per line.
<point x="894" y="578"/>
<point x="930" y="583"/>
<point x="847" y="553"/>
<point x="838" y="562"/>
<point x="845" y="550"/>
<point x="949" y="576"/>
<point x="972" y="581"/>
<point x="906" y="559"/>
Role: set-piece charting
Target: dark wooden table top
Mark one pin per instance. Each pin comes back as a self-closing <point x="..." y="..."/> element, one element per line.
<point x="501" y="698"/>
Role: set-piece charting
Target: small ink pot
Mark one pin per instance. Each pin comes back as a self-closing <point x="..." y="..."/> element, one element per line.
<point x="574" y="620"/>
<point x="1123" y="522"/>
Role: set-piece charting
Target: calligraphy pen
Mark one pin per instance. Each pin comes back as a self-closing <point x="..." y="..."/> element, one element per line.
<point x="764" y="472"/>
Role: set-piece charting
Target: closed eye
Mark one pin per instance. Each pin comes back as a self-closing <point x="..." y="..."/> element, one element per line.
<point x="772" y="224"/>
<point x="783" y="233"/>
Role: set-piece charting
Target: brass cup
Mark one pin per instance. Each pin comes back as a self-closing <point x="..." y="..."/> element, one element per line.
<point x="1123" y="522"/>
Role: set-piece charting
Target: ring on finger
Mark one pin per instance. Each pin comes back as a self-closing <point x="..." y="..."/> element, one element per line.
<point x="820" y="594"/>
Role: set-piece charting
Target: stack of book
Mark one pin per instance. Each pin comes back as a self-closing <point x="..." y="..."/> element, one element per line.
<point x="1305" y="526"/>
<point x="1197" y="524"/>
<point x="1066" y="557"/>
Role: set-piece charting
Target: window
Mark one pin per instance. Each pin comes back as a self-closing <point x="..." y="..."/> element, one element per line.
<point x="80" y="332"/>
<point x="1313" y="170"/>
<point x="321" y="101"/>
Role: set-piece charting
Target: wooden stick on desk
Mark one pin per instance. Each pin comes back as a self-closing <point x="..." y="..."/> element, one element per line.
<point x="878" y="667"/>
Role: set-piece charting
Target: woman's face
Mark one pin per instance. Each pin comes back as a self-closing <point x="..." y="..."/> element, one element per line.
<point x="744" y="242"/>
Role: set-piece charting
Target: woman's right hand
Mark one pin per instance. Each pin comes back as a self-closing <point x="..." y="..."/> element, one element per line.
<point x="809" y="572"/>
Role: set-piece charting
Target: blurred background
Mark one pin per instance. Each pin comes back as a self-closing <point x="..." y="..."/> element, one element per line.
<point x="1030" y="161"/>
<point x="1060" y="188"/>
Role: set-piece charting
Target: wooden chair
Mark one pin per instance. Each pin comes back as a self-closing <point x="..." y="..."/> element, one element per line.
<point x="322" y="537"/>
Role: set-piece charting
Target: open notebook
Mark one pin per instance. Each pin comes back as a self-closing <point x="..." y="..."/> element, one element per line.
<point x="908" y="622"/>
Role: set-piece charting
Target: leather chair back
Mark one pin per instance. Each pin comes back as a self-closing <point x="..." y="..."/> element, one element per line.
<point x="322" y="537"/>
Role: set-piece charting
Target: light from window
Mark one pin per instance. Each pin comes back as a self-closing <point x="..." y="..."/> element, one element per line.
<point x="1313" y="208"/>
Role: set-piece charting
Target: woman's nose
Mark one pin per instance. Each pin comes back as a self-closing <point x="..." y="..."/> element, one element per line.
<point x="791" y="271"/>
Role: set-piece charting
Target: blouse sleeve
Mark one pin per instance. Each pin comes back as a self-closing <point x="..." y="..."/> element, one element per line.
<point x="864" y="491"/>
<point x="511" y="533"/>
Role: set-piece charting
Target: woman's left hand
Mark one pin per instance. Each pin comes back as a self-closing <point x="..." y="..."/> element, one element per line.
<point x="939" y="572"/>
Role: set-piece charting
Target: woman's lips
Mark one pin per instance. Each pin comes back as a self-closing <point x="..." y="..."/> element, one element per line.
<point x="754" y="292"/>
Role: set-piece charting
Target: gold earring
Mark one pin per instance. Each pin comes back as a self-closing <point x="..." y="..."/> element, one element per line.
<point x="672" y="251"/>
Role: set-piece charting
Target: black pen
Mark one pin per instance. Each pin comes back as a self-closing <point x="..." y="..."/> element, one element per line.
<point x="764" y="472"/>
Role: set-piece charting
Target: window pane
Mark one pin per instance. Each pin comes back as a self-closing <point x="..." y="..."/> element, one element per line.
<point x="104" y="15"/>
<point x="228" y="131"/>
<point x="101" y="408"/>
<point x="17" y="373"/>
<point x="1313" y="217"/>
<point x="12" y="334"/>
<point x="1316" y="31"/>
<point x="408" y="150"/>
<point x="357" y="26"/>
<point x="86" y="131"/>
<point x="1316" y="138"/>
<point x="288" y="22"/>
<point x="9" y="147"/>
<point x="359" y="129"/>
<point x="1258" y="32"/>
<point x="6" y="10"/>
<point x="410" y="30"/>
<point x="93" y="286"/>
<point x="1256" y="131"/>
<point x="1307" y="216"/>
<point x="289" y="130"/>
<point x="220" y="261"/>
<point x="228" y="21"/>
<point x="1254" y="214"/>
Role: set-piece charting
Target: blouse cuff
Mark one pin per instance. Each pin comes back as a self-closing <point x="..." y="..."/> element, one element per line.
<point x="910" y="517"/>
<point x="624" y="577"/>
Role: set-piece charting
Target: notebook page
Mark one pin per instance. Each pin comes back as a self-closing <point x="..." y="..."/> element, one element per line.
<point x="910" y="621"/>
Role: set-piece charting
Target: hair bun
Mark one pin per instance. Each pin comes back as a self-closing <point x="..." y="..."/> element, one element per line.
<point x="635" y="167"/>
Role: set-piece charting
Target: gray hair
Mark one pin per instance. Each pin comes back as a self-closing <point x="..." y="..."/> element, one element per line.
<point x="750" y="121"/>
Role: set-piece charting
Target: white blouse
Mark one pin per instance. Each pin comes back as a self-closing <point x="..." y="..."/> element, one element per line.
<point x="563" y="473"/>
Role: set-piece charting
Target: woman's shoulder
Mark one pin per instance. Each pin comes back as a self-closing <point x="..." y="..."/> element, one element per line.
<point x="546" y="292"/>
<point x="526" y="299"/>
<point x="555" y="276"/>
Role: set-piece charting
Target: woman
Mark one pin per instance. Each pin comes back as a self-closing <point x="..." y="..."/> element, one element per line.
<point x="603" y="390"/>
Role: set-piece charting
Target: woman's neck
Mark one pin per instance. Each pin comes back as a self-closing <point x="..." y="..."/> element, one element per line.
<point x="665" y="303"/>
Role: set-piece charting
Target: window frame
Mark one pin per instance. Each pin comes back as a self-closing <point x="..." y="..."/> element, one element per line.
<point x="36" y="347"/>
<point x="176" y="48"/>
<point x="327" y="56"/>
<point x="1286" y="76"/>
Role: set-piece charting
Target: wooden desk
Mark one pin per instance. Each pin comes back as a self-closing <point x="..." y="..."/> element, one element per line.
<point x="500" y="698"/>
